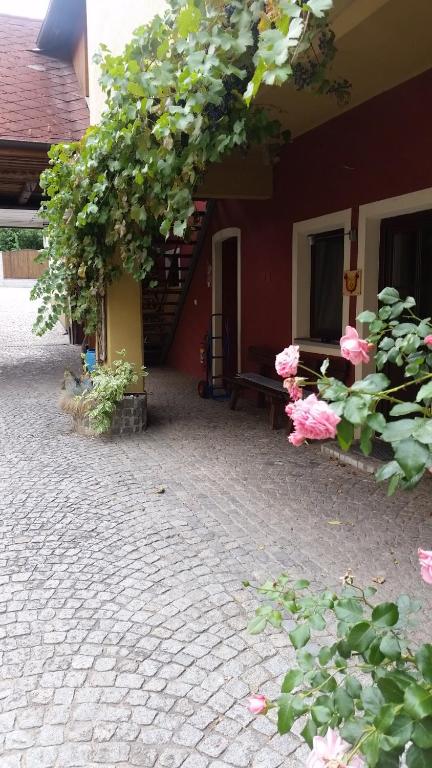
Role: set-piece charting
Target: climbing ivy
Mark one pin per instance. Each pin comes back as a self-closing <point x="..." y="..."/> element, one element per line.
<point x="180" y="97"/>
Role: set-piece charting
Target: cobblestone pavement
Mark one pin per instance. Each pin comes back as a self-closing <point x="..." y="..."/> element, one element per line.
<point x="122" y="615"/>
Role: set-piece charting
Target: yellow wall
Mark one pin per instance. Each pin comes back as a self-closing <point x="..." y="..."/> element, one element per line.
<point x="124" y="324"/>
<point x="80" y="62"/>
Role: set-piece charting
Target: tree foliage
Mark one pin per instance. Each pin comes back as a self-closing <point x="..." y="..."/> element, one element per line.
<point x="180" y="97"/>
<point x="16" y="239"/>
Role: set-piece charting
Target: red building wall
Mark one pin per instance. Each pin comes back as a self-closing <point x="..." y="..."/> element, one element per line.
<point x="380" y="149"/>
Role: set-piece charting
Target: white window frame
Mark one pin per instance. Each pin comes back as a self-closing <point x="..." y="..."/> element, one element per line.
<point x="301" y="273"/>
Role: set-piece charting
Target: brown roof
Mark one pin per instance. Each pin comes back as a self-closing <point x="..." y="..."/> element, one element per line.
<point x="40" y="96"/>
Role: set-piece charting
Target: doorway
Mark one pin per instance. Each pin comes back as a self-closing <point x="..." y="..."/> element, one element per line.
<point x="226" y="329"/>
<point x="406" y="258"/>
<point x="406" y="264"/>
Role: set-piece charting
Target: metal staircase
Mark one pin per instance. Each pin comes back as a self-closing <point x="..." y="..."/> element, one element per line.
<point x="172" y="272"/>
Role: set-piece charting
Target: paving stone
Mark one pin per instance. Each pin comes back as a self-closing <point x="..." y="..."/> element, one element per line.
<point x="171" y="758"/>
<point x="122" y="617"/>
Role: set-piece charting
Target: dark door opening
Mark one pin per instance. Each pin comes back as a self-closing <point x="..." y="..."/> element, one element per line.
<point x="229" y="308"/>
<point x="406" y="264"/>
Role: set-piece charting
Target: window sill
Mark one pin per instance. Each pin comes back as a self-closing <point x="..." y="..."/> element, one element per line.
<point x="321" y="348"/>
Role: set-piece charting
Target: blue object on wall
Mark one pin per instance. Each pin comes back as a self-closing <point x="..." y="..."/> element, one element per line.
<point x="90" y="359"/>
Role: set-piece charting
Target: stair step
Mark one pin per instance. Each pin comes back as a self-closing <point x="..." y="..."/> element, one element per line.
<point x="163" y="302"/>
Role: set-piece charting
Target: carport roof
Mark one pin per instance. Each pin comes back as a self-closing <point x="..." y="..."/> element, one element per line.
<point x="40" y="95"/>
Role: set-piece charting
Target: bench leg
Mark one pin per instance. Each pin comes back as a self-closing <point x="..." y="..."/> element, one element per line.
<point x="234" y="397"/>
<point x="261" y="400"/>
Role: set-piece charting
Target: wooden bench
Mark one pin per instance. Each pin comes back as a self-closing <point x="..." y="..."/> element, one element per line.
<point x="269" y="385"/>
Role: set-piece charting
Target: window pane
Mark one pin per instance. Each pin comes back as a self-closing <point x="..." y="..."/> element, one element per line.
<point x="327" y="258"/>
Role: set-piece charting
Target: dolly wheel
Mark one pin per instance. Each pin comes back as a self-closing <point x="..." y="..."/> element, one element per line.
<point x="203" y="389"/>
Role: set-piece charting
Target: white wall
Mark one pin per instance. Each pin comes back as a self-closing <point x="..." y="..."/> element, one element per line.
<point x="112" y="22"/>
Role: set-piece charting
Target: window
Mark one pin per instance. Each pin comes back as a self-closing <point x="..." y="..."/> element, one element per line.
<point x="320" y="254"/>
<point x="327" y="265"/>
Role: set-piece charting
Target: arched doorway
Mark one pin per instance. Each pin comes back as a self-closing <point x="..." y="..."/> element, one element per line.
<point x="226" y="305"/>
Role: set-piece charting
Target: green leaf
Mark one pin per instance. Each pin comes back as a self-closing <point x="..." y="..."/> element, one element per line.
<point x="375" y="382"/>
<point x="366" y="316"/>
<point x="388" y="759"/>
<point x="321" y="715"/>
<point x="360" y="636"/>
<point x="366" y="440"/>
<point x="305" y="659"/>
<point x="385" y="312"/>
<point x="389" y="296"/>
<point x="372" y="699"/>
<point x="189" y="20"/>
<point x="343" y="703"/>
<point x="257" y="625"/>
<point x="373" y="654"/>
<point x="385" y="717"/>
<point x="300" y="636"/>
<point x="418" y="758"/>
<point x="336" y="390"/>
<point x="402" y="329"/>
<point x="391" y="469"/>
<point x="390" y="647"/>
<point x="401" y="409"/>
<point x="418" y="701"/>
<point x="317" y="622"/>
<point x="348" y="609"/>
<point x="291" y="680"/>
<point x="301" y="584"/>
<point x="136" y="89"/>
<point x="355" y="410"/>
<point x="398" y="430"/>
<point x="380" y="359"/>
<point x="411" y="456"/>
<point x="371" y="749"/>
<point x="353" y="686"/>
<point x="345" y="434"/>
<point x="376" y="421"/>
<point x="325" y="654"/>
<point x="423" y="431"/>
<point x="324" y="366"/>
<point x="425" y="392"/>
<point x="422" y="733"/>
<point x="286" y="714"/>
<point x="423" y="659"/>
<point x="390" y="689"/>
<point x="352" y="730"/>
<point x="387" y="342"/>
<point x="385" y="615"/>
<point x="398" y="734"/>
<point x="309" y="731"/>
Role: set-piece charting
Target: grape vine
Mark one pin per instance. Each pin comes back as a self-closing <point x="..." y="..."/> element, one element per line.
<point x="180" y="97"/>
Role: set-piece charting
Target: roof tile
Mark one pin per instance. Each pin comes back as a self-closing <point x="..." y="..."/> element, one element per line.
<point x="40" y="96"/>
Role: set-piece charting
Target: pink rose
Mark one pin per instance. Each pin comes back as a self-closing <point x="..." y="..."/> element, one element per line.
<point x="287" y="361"/>
<point x="331" y="750"/>
<point x="292" y="385"/>
<point x="353" y="348"/>
<point x="313" y="420"/>
<point x="425" y="559"/>
<point x="428" y="340"/>
<point x="258" y="704"/>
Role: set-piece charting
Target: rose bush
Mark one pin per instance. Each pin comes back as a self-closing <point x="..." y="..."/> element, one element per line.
<point x="364" y="700"/>
<point x="400" y="340"/>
